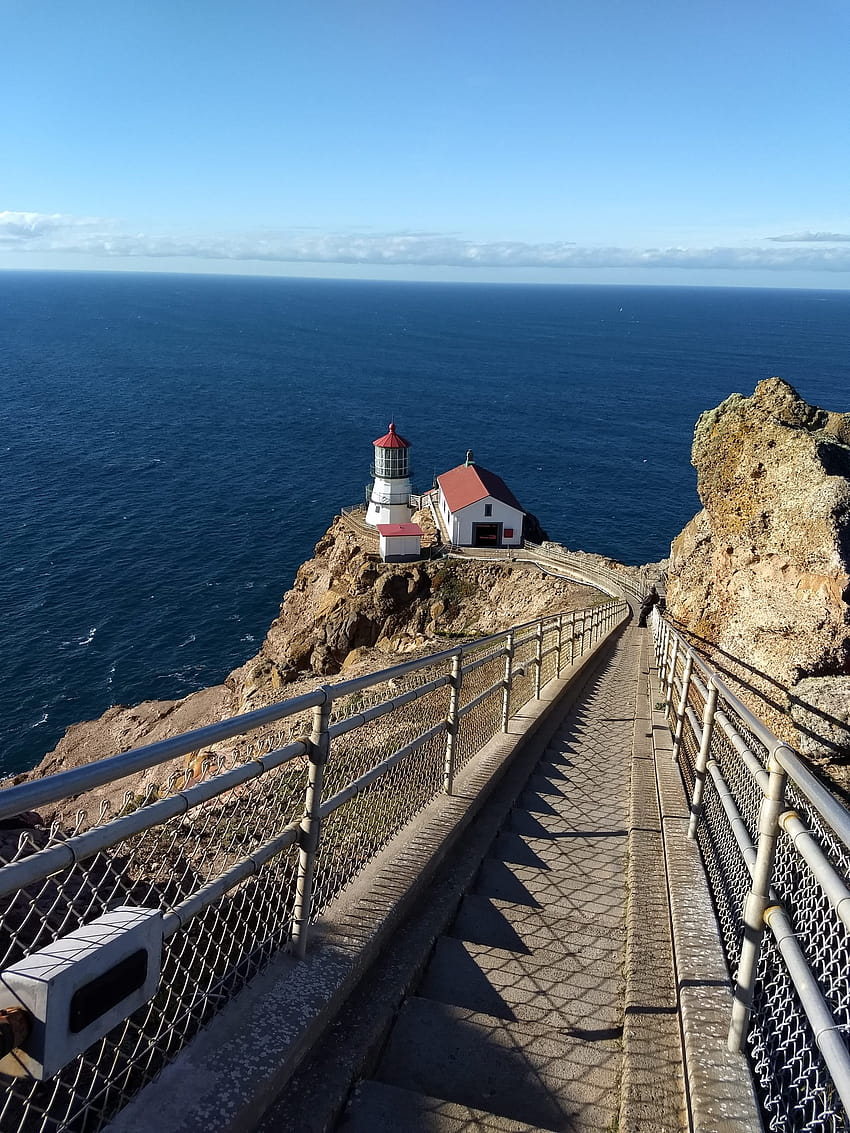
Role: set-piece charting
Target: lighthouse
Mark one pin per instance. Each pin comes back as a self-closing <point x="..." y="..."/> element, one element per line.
<point x="389" y="501"/>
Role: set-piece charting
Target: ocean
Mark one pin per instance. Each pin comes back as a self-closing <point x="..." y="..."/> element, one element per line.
<point x="172" y="447"/>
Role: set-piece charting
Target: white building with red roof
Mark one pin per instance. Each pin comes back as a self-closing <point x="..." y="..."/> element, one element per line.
<point x="400" y="542"/>
<point x="478" y="508"/>
<point x="389" y="497"/>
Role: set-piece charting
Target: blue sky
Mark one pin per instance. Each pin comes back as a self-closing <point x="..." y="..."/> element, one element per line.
<point x="528" y="140"/>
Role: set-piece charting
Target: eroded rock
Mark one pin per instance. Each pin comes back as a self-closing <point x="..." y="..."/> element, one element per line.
<point x="761" y="576"/>
<point x="346" y="612"/>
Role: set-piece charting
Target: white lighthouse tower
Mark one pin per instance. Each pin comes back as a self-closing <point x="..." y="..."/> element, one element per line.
<point x="389" y="501"/>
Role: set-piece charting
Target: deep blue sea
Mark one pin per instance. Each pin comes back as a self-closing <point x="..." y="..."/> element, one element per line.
<point x="171" y="447"/>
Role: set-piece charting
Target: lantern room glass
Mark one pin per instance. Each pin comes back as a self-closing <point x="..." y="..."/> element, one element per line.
<point x="392" y="463"/>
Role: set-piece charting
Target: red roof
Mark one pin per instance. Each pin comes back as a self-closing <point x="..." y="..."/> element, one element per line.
<point x="388" y="530"/>
<point x="468" y="483"/>
<point x="391" y="439"/>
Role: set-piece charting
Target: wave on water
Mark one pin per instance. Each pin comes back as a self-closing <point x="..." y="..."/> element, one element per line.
<point x="188" y="641"/>
<point x="88" y="640"/>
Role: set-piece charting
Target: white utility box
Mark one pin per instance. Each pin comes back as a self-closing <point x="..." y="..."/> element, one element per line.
<point x="78" y="988"/>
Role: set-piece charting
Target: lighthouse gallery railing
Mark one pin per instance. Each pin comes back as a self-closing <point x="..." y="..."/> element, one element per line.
<point x="224" y="837"/>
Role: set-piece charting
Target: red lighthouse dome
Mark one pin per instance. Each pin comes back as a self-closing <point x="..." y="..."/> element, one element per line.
<point x="392" y="439"/>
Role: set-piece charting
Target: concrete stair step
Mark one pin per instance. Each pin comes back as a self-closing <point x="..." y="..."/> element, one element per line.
<point x="537" y="803"/>
<point x="597" y="902"/>
<point x="376" y="1107"/>
<point x="600" y="856"/>
<point x="533" y="823"/>
<point x="578" y="992"/>
<point x="574" y="806"/>
<point x="555" y="770"/>
<point x="549" y="788"/>
<point x="523" y="1071"/>
<point x="523" y="928"/>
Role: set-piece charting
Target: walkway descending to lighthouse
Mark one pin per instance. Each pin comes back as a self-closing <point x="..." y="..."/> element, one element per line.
<point x="509" y="961"/>
<point x="548" y="1000"/>
<point x="518" y="1021"/>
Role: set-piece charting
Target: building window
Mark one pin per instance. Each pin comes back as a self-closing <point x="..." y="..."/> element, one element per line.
<point x="509" y="532"/>
<point x="488" y="509"/>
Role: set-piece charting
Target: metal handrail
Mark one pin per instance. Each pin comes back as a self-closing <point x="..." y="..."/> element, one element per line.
<point x="30" y="796"/>
<point x="77" y="780"/>
<point x="805" y="780"/>
<point x="809" y="961"/>
<point x="260" y="848"/>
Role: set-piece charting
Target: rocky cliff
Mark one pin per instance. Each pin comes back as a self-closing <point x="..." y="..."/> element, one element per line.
<point x="347" y="613"/>
<point x="761" y="576"/>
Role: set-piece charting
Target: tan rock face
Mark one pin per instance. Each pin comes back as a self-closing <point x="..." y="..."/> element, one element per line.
<point x="762" y="574"/>
<point x="346" y="604"/>
<point x="346" y="613"/>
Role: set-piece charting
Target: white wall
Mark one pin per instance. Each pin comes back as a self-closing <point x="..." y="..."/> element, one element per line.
<point x="401" y="546"/>
<point x="389" y="502"/>
<point x="460" y="523"/>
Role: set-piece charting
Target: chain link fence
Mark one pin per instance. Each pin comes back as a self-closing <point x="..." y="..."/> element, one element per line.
<point x="759" y="812"/>
<point x="243" y="833"/>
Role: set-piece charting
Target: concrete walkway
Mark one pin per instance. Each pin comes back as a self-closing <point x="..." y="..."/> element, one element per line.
<point x="523" y="1015"/>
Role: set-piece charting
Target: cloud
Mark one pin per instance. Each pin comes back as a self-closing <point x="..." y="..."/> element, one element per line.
<point x="55" y="232"/>
<point x="813" y="238"/>
<point x="20" y="229"/>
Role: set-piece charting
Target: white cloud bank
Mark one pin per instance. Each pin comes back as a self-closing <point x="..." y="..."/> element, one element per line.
<point x="813" y="238"/>
<point x="26" y="232"/>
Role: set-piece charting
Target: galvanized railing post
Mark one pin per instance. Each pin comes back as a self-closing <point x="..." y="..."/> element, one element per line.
<point x="311" y="823"/>
<point x="559" y="645"/>
<point x="538" y="658"/>
<point x="757" y="902"/>
<point x="658" y="631"/>
<point x="665" y="653"/>
<point x="683" y="704"/>
<point x="708" y="712"/>
<point x="572" y="637"/>
<point x="671" y="676"/>
<point x="507" y="680"/>
<point x="452" y="722"/>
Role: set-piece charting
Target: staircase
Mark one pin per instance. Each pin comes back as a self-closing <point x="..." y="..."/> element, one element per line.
<point x="518" y="1021"/>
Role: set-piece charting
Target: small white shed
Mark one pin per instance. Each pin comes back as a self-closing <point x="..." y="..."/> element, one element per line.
<point x="478" y="508"/>
<point x="400" y="542"/>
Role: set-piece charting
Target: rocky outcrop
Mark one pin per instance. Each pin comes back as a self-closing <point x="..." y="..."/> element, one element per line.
<point x="347" y="609"/>
<point x="347" y="613"/>
<point x="761" y="576"/>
